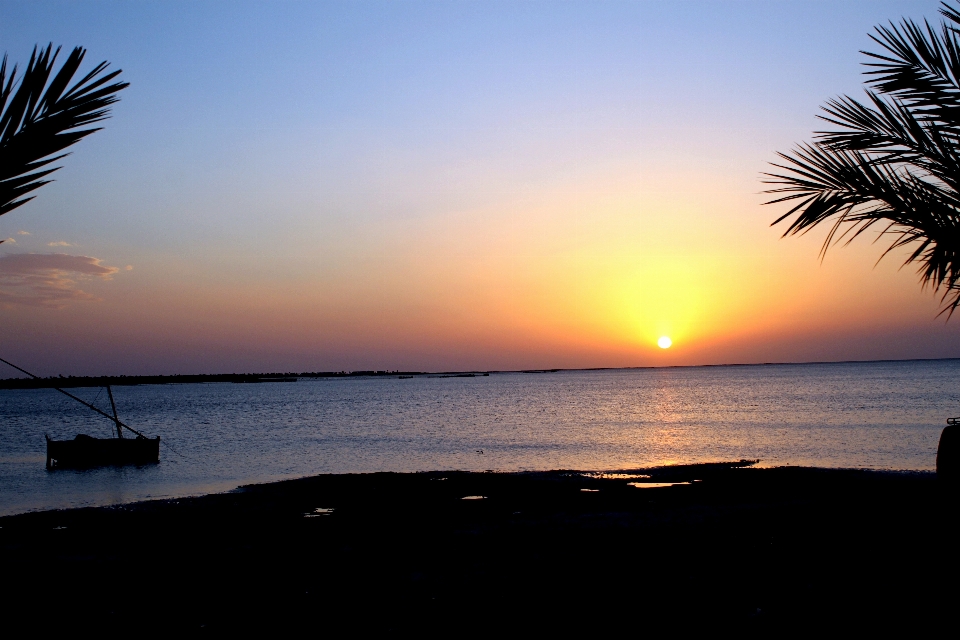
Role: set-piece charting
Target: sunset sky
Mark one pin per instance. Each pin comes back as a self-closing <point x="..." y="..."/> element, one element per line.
<point x="309" y="186"/>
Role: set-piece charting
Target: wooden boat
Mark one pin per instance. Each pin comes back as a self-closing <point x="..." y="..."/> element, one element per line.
<point x="86" y="451"/>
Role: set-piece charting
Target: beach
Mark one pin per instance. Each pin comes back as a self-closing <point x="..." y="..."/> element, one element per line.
<point x="709" y="547"/>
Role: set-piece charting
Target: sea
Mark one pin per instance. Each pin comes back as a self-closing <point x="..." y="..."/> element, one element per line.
<point x="218" y="436"/>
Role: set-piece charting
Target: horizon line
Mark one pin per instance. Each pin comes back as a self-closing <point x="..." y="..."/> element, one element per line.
<point x="385" y="372"/>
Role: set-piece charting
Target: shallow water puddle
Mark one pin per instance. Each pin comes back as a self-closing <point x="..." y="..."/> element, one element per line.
<point x="319" y="511"/>
<point x="657" y="485"/>
<point x="615" y="476"/>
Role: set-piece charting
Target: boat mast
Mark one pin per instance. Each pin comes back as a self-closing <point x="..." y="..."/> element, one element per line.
<point x="116" y="419"/>
<point x="83" y="402"/>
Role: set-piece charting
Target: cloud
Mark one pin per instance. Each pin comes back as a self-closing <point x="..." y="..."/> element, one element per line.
<point x="59" y="243"/>
<point x="129" y="267"/>
<point x="48" y="279"/>
<point x="10" y="240"/>
<point x="23" y="233"/>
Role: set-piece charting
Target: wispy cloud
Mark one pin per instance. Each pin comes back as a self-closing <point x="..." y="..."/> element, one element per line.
<point x="10" y="240"/>
<point x="48" y="280"/>
<point x="23" y="233"/>
<point x="59" y="243"/>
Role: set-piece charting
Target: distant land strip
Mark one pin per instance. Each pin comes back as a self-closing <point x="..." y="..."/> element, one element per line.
<point x="64" y="382"/>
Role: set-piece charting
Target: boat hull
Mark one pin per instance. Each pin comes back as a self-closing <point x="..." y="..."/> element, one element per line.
<point x="85" y="451"/>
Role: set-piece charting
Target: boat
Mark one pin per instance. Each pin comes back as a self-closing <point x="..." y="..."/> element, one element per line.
<point x="86" y="451"/>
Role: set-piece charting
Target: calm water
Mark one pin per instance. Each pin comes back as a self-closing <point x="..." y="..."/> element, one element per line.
<point x="885" y="415"/>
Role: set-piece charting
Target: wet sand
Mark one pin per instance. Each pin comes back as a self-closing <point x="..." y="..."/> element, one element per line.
<point x="785" y="550"/>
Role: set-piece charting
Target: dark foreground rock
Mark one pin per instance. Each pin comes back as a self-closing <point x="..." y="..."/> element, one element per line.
<point x="788" y="550"/>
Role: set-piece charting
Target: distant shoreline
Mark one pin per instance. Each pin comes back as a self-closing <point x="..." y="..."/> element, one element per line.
<point x="66" y="382"/>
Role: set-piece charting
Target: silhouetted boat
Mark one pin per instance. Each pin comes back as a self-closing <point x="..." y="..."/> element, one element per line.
<point x="86" y="451"/>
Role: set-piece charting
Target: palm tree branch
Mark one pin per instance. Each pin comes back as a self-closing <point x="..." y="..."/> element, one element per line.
<point x="44" y="115"/>
<point x="922" y="66"/>
<point x="894" y="160"/>
<point x="855" y="194"/>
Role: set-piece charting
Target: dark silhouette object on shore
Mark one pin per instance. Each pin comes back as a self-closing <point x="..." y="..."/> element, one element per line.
<point x="42" y="116"/>
<point x="894" y="161"/>
<point x="947" y="452"/>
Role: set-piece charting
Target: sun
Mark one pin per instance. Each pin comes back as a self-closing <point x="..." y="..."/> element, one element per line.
<point x="664" y="342"/>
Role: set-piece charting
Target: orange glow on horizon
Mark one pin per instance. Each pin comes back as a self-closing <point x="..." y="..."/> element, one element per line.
<point x="569" y="280"/>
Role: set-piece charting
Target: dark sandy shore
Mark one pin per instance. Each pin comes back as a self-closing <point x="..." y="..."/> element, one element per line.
<point x="786" y="550"/>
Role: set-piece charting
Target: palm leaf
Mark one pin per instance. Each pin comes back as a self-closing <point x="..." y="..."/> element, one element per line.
<point x="893" y="162"/>
<point x="44" y="115"/>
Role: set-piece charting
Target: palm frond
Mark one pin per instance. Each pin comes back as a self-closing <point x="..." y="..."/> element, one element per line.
<point x="40" y="117"/>
<point x="893" y="161"/>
